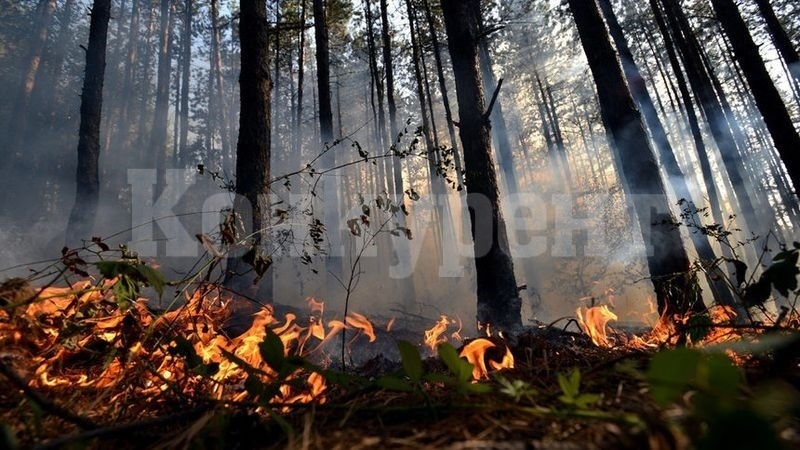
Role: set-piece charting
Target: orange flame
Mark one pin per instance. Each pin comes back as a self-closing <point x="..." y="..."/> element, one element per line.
<point x="476" y="353"/>
<point x="594" y="323"/>
<point x="433" y="336"/>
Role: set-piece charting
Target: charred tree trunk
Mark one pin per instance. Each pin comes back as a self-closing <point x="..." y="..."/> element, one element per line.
<point x="768" y="100"/>
<point x="87" y="193"/>
<point x="667" y="260"/>
<point x="498" y="299"/>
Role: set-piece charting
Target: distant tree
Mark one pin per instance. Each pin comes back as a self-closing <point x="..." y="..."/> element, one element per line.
<point x="186" y="61"/>
<point x="15" y="153"/>
<point x="710" y="100"/>
<point x="665" y="151"/>
<point x="667" y="260"/>
<point x="768" y="99"/>
<point x="87" y="193"/>
<point x="158" y="132"/>
<point x="498" y="298"/>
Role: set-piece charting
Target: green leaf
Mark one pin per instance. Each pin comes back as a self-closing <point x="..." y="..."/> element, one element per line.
<point x="272" y="351"/>
<point x="412" y="361"/>
<point x="461" y="368"/>
<point x="394" y="384"/>
<point x="570" y="384"/>
<point x="671" y="372"/>
<point x="152" y="277"/>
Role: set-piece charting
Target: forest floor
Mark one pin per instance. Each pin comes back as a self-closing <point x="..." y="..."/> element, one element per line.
<point x="82" y="366"/>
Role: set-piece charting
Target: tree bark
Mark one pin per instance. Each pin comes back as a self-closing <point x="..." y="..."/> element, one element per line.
<point x="498" y="299"/>
<point x="768" y="100"/>
<point x="82" y="217"/>
<point x="667" y="260"/>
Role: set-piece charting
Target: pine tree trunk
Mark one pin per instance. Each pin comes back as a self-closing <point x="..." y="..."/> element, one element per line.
<point x="301" y="53"/>
<point x="388" y="67"/>
<point x="666" y="153"/>
<point x="667" y="260"/>
<point x="498" y="299"/>
<point x="82" y="218"/>
<point x="768" y="100"/>
<point x="253" y="158"/>
<point x="186" y="43"/>
<point x="445" y="97"/>
<point x="330" y="195"/>
<point x="217" y="100"/>
<point x="703" y="86"/>
<point x="781" y="39"/>
<point x="158" y="136"/>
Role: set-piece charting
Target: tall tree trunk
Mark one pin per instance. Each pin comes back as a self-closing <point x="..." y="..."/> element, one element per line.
<point x="388" y="67"/>
<point x="145" y="82"/>
<point x="703" y="86"/>
<point x="253" y="148"/>
<point x="781" y="39"/>
<point x="694" y="124"/>
<point x="445" y="97"/>
<point x="301" y="54"/>
<point x="158" y="136"/>
<point x="186" y="43"/>
<point x="87" y="193"/>
<point x="217" y="100"/>
<point x="330" y="195"/>
<point x="768" y="100"/>
<point x="666" y="153"/>
<point x="498" y="299"/>
<point x="667" y="261"/>
<point x="131" y="55"/>
<point x="499" y="130"/>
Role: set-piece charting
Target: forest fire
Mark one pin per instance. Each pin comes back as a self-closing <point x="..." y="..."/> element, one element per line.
<point x="81" y="339"/>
